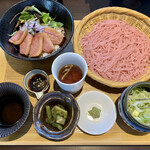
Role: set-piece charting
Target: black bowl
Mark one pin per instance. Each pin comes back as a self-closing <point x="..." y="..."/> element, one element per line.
<point x="57" y="10"/>
<point x="125" y="118"/>
<point x="39" y="118"/>
<point x="143" y="85"/>
<point x="10" y="94"/>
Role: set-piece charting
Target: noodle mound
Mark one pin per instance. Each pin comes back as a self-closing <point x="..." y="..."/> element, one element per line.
<point x="116" y="51"/>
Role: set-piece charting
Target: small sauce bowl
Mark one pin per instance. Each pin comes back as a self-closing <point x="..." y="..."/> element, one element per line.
<point x="73" y="59"/>
<point x="14" y="108"/>
<point x="30" y="75"/>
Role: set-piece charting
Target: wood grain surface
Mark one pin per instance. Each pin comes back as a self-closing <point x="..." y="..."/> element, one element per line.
<point x="14" y="70"/>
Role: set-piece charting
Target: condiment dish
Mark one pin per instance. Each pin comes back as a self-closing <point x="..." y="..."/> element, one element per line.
<point x="38" y="82"/>
<point x="39" y="116"/>
<point x="96" y="125"/>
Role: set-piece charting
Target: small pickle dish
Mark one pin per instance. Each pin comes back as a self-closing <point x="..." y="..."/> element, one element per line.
<point x="60" y="107"/>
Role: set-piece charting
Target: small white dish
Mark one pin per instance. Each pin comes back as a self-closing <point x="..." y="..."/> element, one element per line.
<point x="107" y="117"/>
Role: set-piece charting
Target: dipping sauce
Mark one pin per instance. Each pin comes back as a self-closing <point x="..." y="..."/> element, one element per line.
<point x="11" y="109"/>
<point x="70" y="74"/>
<point x="37" y="82"/>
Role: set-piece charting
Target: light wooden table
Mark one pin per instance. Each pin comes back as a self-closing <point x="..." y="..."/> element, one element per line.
<point x="13" y="70"/>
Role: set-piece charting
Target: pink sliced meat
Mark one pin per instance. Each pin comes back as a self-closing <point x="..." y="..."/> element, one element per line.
<point x="18" y="37"/>
<point x="56" y="37"/>
<point x="26" y="44"/>
<point x="48" y="46"/>
<point x="36" y="45"/>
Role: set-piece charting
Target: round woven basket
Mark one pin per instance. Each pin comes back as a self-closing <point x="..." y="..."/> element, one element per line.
<point x="133" y="18"/>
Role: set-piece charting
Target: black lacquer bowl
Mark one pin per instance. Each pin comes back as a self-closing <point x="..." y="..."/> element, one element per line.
<point x="39" y="117"/>
<point x="124" y="111"/>
<point x="142" y="85"/>
<point x="56" y="10"/>
<point x="7" y="91"/>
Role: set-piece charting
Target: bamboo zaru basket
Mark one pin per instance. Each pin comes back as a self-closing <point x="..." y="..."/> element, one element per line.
<point x="133" y="18"/>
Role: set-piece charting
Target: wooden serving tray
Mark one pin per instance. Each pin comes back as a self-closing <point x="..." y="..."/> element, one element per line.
<point x="13" y="70"/>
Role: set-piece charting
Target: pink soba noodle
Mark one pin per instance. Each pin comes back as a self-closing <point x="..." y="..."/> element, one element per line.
<point x="116" y="51"/>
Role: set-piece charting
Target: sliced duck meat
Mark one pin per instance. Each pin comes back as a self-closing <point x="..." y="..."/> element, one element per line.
<point x="55" y="36"/>
<point x="36" y="45"/>
<point x="26" y="44"/>
<point x="18" y="37"/>
<point x="48" y="46"/>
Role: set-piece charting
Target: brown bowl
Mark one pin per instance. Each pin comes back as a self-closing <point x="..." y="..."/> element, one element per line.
<point x="39" y="117"/>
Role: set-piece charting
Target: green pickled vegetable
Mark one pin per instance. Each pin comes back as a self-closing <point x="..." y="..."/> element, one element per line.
<point x="56" y="116"/>
<point x="60" y="111"/>
<point x="56" y="125"/>
<point x="48" y="112"/>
